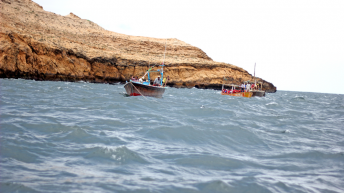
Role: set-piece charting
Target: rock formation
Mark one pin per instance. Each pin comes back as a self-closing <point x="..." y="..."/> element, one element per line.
<point x="36" y="44"/>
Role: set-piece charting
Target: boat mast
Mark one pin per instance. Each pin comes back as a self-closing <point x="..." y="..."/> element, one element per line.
<point x="255" y="74"/>
<point x="163" y="63"/>
<point x="164" y="53"/>
<point x="148" y="72"/>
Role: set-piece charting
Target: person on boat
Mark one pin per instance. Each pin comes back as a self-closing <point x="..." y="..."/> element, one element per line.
<point x="248" y="86"/>
<point x="164" y="81"/>
<point x="134" y="79"/>
<point x="157" y="81"/>
<point x="242" y="87"/>
<point x="252" y="87"/>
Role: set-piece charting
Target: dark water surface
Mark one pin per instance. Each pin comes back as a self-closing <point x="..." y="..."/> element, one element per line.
<point x="82" y="137"/>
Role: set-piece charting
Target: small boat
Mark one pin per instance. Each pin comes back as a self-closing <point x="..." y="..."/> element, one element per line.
<point x="136" y="89"/>
<point x="235" y="91"/>
<point x="144" y="88"/>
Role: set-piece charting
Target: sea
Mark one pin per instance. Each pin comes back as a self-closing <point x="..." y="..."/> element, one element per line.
<point x="86" y="137"/>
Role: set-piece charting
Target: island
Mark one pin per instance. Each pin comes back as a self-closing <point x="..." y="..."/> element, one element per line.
<point x="41" y="45"/>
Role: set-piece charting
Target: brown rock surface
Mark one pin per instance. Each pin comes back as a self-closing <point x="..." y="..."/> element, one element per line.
<point x="36" y="44"/>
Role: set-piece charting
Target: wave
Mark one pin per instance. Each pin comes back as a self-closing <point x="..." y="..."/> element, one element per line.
<point x="247" y="184"/>
<point x="15" y="187"/>
<point x="18" y="152"/>
<point x="210" y="162"/>
<point x="116" y="155"/>
<point x="310" y="156"/>
<point x="82" y="136"/>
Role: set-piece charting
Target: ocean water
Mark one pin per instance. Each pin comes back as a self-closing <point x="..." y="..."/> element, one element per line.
<point x="84" y="137"/>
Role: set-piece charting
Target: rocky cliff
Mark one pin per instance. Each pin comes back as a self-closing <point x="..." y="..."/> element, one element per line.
<point x="36" y="44"/>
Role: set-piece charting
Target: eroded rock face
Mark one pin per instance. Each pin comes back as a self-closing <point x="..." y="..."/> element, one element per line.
<point x="36" y="44"/>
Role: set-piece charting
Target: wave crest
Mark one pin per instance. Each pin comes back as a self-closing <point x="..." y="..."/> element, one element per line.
<point x="117" y="155"/>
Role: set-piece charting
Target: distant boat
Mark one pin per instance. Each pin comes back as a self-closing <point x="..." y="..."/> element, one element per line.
<point x="235" y="90"/>
<point x="255" y="91"/>
<point x="144" y="88"/>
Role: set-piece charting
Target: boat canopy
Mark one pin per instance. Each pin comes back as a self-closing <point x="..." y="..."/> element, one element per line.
<point x="234" y="85"/>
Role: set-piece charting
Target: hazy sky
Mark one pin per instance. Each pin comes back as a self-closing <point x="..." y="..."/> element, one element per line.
<point x="298" y="45"/>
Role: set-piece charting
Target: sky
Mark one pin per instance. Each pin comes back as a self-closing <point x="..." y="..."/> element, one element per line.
<point x="298" y="45"/>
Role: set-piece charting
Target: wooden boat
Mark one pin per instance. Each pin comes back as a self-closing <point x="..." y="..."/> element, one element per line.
<point x="144" y="88"/>
<point x="136" y="89"/>
<point x="234" y="91"/>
